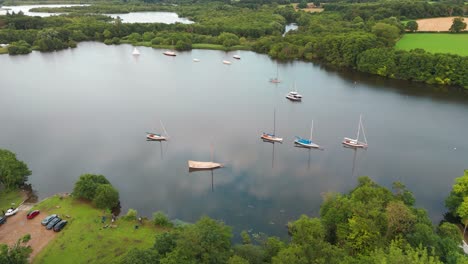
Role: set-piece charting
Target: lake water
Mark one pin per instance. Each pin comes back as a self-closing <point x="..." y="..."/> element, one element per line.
<point x="25" y="9"/>
<point x="135" y="17"/>
<point x="86" y="110"/>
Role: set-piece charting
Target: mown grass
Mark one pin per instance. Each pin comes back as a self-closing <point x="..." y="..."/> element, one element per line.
<point x="435" y="42"/>
<point x="85" y="238"/>
<point x="9" y="197"/>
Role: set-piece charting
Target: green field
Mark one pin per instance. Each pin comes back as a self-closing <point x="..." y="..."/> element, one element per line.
<point x="9" y="197"/>
<point x="85" y="238"/>
<point x="436" y="43"/>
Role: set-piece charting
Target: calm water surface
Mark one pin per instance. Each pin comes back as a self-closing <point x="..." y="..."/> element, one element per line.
<point x="86" y="110"/>
<point x="134" y="17"/>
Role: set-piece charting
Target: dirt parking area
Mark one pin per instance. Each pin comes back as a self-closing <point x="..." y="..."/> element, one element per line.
<point x="17" y="226"/>
<point x="436" y="24"/>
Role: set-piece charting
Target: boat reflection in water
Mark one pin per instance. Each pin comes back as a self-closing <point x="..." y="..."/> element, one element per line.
<point x="196" y="166"/>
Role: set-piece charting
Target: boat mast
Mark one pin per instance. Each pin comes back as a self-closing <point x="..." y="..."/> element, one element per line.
<point x="363" y="133"/>
<point x="164" y="128"/>
<point x="276" y="71"/>
<point x="274" y="121"/>
<point x="359" y="128"/>
<point x="311" y="129"/>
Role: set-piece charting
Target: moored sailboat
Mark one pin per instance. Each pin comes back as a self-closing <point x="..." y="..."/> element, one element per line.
<point x="355" y="143"/>
<point x="272" y="137"/>
<point x="275" y="80"/>
<point x="150" y="136"/>
<point x="135" y="52"/>
<point x="307" y="143"/>
<point x="170" y="52"/>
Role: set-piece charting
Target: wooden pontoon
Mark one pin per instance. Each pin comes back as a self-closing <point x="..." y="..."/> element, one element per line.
<point x="202" y="165"/>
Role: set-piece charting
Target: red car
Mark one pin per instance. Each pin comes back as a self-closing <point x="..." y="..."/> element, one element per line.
<point x="32" y="214"/>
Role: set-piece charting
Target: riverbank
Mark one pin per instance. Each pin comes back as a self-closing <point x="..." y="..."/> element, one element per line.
<point x="11" y="198"/>
<point x="87" y="237"/>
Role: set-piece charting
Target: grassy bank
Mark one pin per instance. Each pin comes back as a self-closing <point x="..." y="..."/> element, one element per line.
<point x="3" y="50"/>
<point x="436" y="43"/>
<point x="86" y="239"/>
<point x="9" y="197"/>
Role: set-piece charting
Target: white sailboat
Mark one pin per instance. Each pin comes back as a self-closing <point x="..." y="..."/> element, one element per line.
<point x="170" y="52"/>
<point x="307" y="143"/>
<point x="272" y="137"/>
<point x="135" y="52"/>
<point x="355" y="143"/>
<point x="275" y="80"/>
<point x="227" y="62"/>
<point x="150" y="136"/>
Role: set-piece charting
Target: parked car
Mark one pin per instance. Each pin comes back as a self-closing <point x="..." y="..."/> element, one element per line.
<point x="48" y="218"/>
<point x="32" y="214"/>
<point x="53" y="222"/>
<point x="11" y="211"/>
<point x="60" y="225"/>
<point x="2" y="220"/>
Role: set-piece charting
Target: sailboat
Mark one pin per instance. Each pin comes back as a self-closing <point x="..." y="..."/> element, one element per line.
<point x="170" y="52"/>
<point x="307" y="143"/>
<point x="355" y="143"/>
<point x="157" y="137"/>
<point x="135" y="52"/>
<point x="203" y="165"/>
<point x="275" y="80"/>
<point x="272" y="137"/>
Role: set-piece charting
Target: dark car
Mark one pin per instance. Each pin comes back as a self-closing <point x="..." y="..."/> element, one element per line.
<point x="32" y="214"/>
<point x="60" y="225"/>
<point x="2" y="220"/>
<point x="48" y="218"/>
<point x="53" y="222"/>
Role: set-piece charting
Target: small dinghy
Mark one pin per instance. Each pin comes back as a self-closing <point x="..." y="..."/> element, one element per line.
<point x="203" y="165"/>
<point x="237" y="57"/>
<point x="196" y="60"/>
<point x="227" y="62"/>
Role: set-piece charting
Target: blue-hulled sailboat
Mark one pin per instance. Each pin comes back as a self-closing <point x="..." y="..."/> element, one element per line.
<point x="307" y="143"/>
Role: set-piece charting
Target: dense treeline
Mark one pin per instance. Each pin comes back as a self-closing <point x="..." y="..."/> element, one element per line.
<point x="401" y="9"/>
<point x="370" y="224"/>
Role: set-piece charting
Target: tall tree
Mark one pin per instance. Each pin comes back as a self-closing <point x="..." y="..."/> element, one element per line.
<point x="13" y="172"/>
<point x="458" y="25"/>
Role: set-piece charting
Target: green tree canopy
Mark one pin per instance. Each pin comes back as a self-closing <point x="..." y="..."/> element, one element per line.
<point x="106" y="196"/>
<point x="458" y="25"/>
<point x="13" y="172"/>
<point x="412" y="25"/>
<point x="87" y="185"/>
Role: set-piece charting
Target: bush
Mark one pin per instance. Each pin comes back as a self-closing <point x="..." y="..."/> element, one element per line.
<point x="87" y="184"/>
<point x="115" y="41"/>
<point x="106" y="197"/>
<point x="19" y="47"/>
<point x="161" y="219"/>
<point x="131" y="215"/>
<point x="108" y="41"/>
